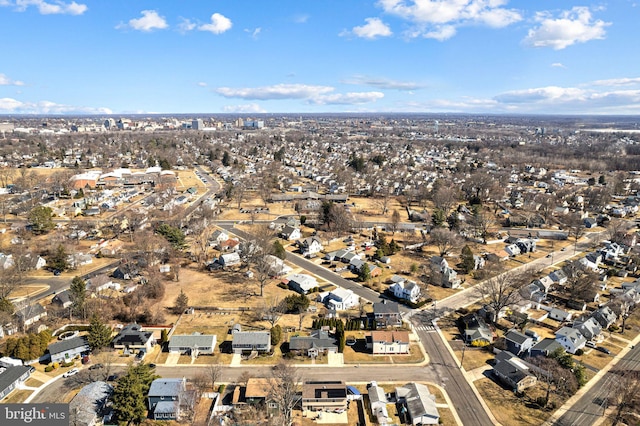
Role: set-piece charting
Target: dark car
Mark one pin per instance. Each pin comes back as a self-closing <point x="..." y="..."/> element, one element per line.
<point x="96" y="366"/>
<point x="112" y="378"/>
<point x="152" y="365"/>
<point x="604" y="350"/>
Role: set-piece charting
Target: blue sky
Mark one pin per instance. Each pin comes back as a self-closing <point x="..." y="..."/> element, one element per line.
<point x="288" y="56"/>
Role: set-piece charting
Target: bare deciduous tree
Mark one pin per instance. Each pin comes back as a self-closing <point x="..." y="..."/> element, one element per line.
<point x="500" y="292"/>
<point x="284" y="390"/>
<point x="444" y="240"/>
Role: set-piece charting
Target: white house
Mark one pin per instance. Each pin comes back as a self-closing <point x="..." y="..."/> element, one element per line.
<point x="406" y="290"/>
<point x="570" y="339"/>
<point x="339" y="299"/>
<point x="512" y="249"/>
<point x="310" y="245"/>
<point x="388" y="342"/>
<point x="290" y="233"/>
<point x="301" y="283"/>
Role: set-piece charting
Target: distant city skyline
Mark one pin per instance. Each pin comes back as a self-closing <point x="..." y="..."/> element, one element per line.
<point x="285" y="56"/>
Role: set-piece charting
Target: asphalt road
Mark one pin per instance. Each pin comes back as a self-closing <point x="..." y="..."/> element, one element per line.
<point x="56" y="391"/>
<point x="590" y="408"/>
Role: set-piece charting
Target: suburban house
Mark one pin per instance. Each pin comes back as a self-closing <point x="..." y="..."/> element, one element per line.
<point x="257" y="392"/>
<point x="62" y="299"/>
<point x="605" y="317"/>
<point x="418" y="403"/>
<point x="218" y="237"/>
<point x="66" y="350"/>
<point x="290" y="233"/>
<point x="448" y="277"/>
<point x="101" y="283"/>
<point x="378" y="402"/>
<point x="387" y="313"/>
<point x="228" y="260"/>
<point x="559" y="315"/>
<point x="339" y="299"/>
<point x="591" y="261"/>
<point x="318" y="343"/>
<point x="518" y="343"/>
<point x="588" y="327"/>
<point x="277" y="267"/>
<point x="324" y="396"/>
<point x="545" y="347"/>
<point x="544" y="284"/>
<point x="164" y="398"/>
<point x="512" y="249"/>
<point x="559" y="277"/>
<point x="29" y="315"/>
<point x="88" y="406"/>
<point x="406" y="290"/>
<point x="514" y="373"/>
<point x="570" y="339"/>
<point x="246" y="341"/>
<point x="131" y="337"/>
<point x="388" y="342"/>
<point x="193" y="344"/>
<point x="12" y="377"/>
<point x="301" y="283"/>
<point x="475" y="330"/>
<point x="310" y="245"/>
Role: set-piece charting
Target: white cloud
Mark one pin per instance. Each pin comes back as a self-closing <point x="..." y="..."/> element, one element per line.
<point x="45" y="8"/>
<point x="301" y="19"/>
<point x="617" y="82"/>
<point x="186" y="25"/>
<point x="441" y="33"/>
<point x="373" y="29"/>
<point x="318" y="95"/>
<point x="573" y="26"/>
<point x="254" y="33"/>
<point x="202" y="84"/>
<point x="9" y="105"/>
<point x="278" y="91"/>
<point x="219" y="24"/>
<point x="557" y="65"/>
<point x="439" y="19"/>
<point x="6" y="81"/>
<point x="149" y="21"/>
<point x="571" y="100"/>
<point x="245" y="109"/>
<point x="352" y="98"/>
<point x="383" y="83"/>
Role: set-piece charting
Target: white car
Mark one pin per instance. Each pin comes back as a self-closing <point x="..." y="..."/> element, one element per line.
<point x="71" y="372"/>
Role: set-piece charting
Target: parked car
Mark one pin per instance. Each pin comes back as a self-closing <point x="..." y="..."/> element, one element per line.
<point x="604" y="350"/>
<point x="71" y="372"/>
<point x="591" y="344"/>
<point x="96" y="366"/>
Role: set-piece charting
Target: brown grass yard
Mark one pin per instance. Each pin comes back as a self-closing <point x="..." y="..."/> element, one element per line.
<point x="509" y="409"/>
<point x="17" y="396"/>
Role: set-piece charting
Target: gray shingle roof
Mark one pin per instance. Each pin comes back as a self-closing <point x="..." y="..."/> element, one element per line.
<point x="65" y="345"/>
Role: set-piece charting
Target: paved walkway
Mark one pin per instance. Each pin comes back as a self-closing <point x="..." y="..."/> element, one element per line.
<point x="236" y="360"/>
<point x="172" y="359"/>
<point x="478" y="373"/>
<point x="335" y="359"/>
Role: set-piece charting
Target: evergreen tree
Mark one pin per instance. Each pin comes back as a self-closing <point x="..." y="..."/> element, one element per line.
<point x="58" y="260"/>
<point x="78" y="293"/>
<point x="174" y="235"/>
<point x="164" y="336"/>
<point x="364" y="274"/>
<point x="438" y="218"/>
<point x="278" y="250"/>
<point x="276" y="334"/>
<point x="99" y="333"/>
<point x="181" y="303"/>
<point x="226" y="159"/>
<point x="129" y="397"/>
<point x="40" y="219"/>
<point x="468" y="262"/>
